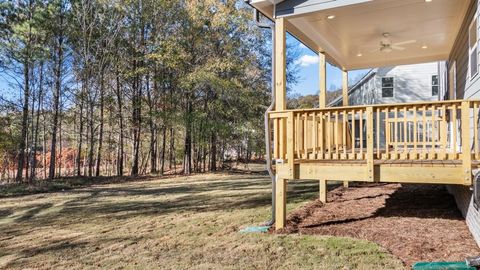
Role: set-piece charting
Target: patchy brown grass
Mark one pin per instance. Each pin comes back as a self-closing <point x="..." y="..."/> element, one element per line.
<point x="175" y="223"/>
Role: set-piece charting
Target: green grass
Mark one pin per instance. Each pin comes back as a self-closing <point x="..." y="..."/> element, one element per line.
<point x="175" y="223"/>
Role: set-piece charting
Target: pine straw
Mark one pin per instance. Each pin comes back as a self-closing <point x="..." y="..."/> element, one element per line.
<point x="413" y="222"/>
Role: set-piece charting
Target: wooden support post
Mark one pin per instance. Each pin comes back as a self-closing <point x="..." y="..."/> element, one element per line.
<point x="370" y="154"/>
<point x="466" y="150"/>
<point x="280" y="105"/>
<point x="323" y="80"/>
<point x="280" y="203"/>
<point x="280" y="65"/>
<point x="323" y="191"/>
<point x="345" y="88"/>
<point x="345" y="101"/>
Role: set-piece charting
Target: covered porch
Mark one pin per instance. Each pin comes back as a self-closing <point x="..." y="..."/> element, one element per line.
<point x="434" y="142"/>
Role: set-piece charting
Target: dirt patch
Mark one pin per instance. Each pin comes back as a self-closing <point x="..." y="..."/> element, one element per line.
<point x="413" y="222"/>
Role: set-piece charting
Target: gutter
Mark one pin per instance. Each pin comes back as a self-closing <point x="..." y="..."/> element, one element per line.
<point x="270" y="108"/>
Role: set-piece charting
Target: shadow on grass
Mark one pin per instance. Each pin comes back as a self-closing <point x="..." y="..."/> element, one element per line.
<point x="122" y="202"/>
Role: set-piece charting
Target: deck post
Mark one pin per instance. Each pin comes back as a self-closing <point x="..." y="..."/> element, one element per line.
<point x="322" y="76"/>
<point x="466" y="149"/>
<point x="280" y="203"/>
<point x="323" y="190"/>
<point x="344" y="88"/>
<point x="280" y="65"/>
<point x="345" y="100"/>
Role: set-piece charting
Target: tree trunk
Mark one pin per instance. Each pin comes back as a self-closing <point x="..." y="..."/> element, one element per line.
<point x="187" y="158"/>
<point x="56" y="105"/>
<point x="213" y="152"/>
<point x="80" y="134"/>
<point x="23" y="138"/>
<point x="136" y="106"/>
<point x="33" y="166"/>
<point x="100" y="132"/>
<point x="120" y="153"/>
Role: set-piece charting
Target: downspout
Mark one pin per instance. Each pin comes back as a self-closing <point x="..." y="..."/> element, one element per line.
<point x="269" y="109"/>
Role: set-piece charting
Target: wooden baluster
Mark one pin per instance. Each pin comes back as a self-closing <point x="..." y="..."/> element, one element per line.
<point x="475" y="129"/>
<point x="377" y="133"/>
<point x="454" y="130"/>
<point x="275" y="138"/>
<point x="415" y="135"/>
<point x="337" y="151"/>
<point x="344" y="130"/>
<point x="387" y="133"/>
<point x="298" y="145"/>
<point x="405" y="128"/>
<point x="353" y="135"/>
<point x="290" y="145"/>
<point x="424" y="132"/>
<point x="315" y="135"/>
<point x="329" y="135"/>
<point x="443" y="132"/>
<point x="361" y="133"/>
<point x="433" y="147"/>
<point x="322" y="137"/>
<point x="370" y="157"/>
<point x="305" y="135"/>
<point x="281" y="137"/>
<point x="395" y="132"/>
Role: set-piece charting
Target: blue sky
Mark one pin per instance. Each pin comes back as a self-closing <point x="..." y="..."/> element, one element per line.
<point x="308" y="65"/>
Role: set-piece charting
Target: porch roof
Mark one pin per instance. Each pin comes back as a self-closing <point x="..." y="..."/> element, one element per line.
<point x="425" y="29"/>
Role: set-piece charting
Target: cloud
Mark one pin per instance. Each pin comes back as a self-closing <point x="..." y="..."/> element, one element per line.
<point x="302" y="46"/>
<point x="307" y="60"/>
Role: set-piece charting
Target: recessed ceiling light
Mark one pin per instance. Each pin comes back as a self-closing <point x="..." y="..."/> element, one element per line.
<point x="428" y="1"/>
<point x="424" y="47"/>
<point x="359" y="54"/>
<point x="331" y="17"/>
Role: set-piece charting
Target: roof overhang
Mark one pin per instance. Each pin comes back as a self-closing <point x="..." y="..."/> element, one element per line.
<point x="351" y="40"/>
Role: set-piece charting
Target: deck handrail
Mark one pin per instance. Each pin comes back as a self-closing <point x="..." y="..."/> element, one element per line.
<point x="407" y="131"/>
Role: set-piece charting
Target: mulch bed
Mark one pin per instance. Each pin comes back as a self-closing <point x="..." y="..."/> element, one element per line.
<point x="413" y="222"/>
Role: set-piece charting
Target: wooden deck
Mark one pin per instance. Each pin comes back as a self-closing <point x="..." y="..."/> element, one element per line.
<point x="418" y="142"/>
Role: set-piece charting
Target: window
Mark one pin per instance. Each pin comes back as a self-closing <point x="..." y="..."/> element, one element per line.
<point x="472" y="43"/>
<point x="434" y="85"/>
<point x="387" y="87"/>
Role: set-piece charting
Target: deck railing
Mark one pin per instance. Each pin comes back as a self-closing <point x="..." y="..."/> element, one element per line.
<point x="416" y="131"/>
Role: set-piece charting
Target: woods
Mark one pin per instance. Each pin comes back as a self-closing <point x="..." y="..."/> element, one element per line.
<point x="100" y="88"/>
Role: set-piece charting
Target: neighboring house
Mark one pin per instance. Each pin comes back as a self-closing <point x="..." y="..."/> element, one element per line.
<point x="398" y="84"/>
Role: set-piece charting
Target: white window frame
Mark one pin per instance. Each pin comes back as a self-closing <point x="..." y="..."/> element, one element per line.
<point x="393" y="86"/>
<point x="472" y="48"/>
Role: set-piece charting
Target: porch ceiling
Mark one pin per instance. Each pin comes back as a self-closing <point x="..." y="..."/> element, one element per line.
<point x="358" y="27"/>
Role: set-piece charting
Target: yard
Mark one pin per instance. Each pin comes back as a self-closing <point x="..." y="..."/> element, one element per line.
<point x="170" y="223"/>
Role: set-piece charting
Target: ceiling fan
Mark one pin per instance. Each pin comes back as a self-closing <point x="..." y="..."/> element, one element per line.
<point x="387" y="46"/>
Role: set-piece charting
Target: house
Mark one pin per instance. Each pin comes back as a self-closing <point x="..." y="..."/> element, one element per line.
<point x="397" y="84"/>
<point x="434" y="142"/>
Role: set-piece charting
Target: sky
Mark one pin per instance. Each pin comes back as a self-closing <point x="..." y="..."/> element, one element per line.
<point x="308" y="71"/>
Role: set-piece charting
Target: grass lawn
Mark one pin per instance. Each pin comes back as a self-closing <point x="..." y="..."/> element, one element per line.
<point x="172" y="223"/>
